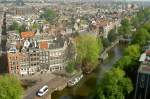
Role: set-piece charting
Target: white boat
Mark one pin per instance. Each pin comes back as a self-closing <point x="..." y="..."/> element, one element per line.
<point x="74" y="81"/>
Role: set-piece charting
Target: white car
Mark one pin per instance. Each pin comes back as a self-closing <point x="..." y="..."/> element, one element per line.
<point x="42" y="91"/>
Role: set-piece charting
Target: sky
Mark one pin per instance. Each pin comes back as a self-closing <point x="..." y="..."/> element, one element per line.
<point x="138" y="0"/>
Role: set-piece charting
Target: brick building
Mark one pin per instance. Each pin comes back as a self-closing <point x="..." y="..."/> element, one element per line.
<point x="29" y="55"/>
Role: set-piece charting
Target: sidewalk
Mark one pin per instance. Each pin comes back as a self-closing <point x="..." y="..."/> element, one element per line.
<point x="44" y="78"/>
<point x="37" y="76"/>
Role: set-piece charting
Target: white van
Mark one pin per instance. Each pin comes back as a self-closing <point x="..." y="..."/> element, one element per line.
<point x="42" y="91"/>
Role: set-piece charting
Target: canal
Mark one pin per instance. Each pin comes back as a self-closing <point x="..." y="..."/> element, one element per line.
<point x="87" y="85"/>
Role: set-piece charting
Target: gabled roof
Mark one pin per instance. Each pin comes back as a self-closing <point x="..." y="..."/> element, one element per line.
<point x="27" y="34"/>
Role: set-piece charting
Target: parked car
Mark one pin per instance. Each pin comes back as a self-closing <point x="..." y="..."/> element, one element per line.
<point x="42" y="91"/>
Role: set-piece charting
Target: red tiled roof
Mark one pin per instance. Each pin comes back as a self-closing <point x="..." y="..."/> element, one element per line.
<point x="147" y="52"/>
<point x="27" y="34"/>
<point x="43" y="45"/>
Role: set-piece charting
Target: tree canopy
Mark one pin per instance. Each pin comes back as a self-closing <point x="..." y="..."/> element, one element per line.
<point x="17" y="27"/>
<point x="133" y="51"/>
<point x="114" y="85"/>
<point x="140" y="17"/>
<point x="141" y="36"/>
<point x="147" y="26"/>
<point x="105" y="42"/>
<point x="131" y="55"/>
<point x="112" y="36"/>
<point x="70" y="66"/>
<point x="49" y="15"/>
<point x="13" y="26"/>
<point x="88" y="48"/>
<point x="125" y="28"/>
<point x="10" y="87"/>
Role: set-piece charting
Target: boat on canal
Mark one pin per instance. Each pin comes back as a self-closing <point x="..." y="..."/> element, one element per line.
<point x="74" y="80"/>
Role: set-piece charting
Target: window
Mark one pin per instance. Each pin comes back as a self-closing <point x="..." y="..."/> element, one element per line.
<point x="45" y="89"/>
<point x="13" y="63"/>
<point x="11" y="68"/>
<point x="142" y="81"/>
<point x="17" y="67"/>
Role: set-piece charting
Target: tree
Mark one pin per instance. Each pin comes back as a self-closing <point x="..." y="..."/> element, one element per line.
<point x="123" y="63"/>
<point x="133" y="51"/>
<point x="147" y="27"/>
<point x="49" y="15"/>
<point x="114" y="85"/>
<point x="22" y="28"/>
<point x="35" y="26"/>
<point x="105" y="42"/>
<point x="141" y="37"/>
<point x="70" y="67"/>
<point x="135" y="21"/>
<point x="141" y="17"/>
<point x="112" y="35"/>
<point x="88" y="49"/>
<point x="17" y="27"/>
<point x="13" y="26"/>
<point x="128" y="61"/>
<point x="125" y="28"/>
<point x="10" y="87"/>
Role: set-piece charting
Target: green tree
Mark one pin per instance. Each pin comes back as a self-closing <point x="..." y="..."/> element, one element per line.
<point x="19" y="28"/>
<point x="112" y="36"/>
<point x="135" y="21"/>
<point x="128" y="61"/>
<point x="13" y="26"/>
<point x="141" y="36"/>
<point x="140" y="17"/>
<point x="123" y="63"/>
<point x="114" y="85"/>
<point x="49" y="15"/>
<point x="10" y="87"/>
<point x="147" y="27"/>
<point x="22" y="28"/>
<point x="125" y="28"/>
<point x="105" y="42"/>
<point x="88" y="49"/>
<point x="133" y="51"/>
<point x="70" y="67"/>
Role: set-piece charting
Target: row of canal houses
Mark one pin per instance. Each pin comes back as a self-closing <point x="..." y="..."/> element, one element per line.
<point x="37" y="52"/>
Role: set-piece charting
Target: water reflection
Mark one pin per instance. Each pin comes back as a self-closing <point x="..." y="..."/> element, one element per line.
<point x="89" y="82"/>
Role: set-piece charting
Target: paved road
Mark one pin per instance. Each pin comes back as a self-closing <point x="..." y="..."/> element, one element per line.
<point x="52" y="84"/>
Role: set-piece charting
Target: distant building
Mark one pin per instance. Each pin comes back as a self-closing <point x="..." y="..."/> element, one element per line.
<point x="103" y="26"/>
<point x="21" y="10"/>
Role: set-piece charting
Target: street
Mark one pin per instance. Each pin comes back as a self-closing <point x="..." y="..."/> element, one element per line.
<point x="52" y="82"/>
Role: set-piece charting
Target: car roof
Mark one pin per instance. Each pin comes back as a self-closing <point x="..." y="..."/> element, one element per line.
<point x="45" y="86"/>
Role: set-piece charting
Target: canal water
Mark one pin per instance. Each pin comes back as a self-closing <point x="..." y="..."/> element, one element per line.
<point x="88" y="84"/>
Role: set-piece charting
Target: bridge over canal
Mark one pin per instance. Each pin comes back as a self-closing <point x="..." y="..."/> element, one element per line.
<point x="104" y="54"/>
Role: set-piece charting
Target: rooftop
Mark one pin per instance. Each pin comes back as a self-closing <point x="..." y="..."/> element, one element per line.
<point x="27" y="34"/>
<point x="43" y="45"/>
<point x="147" y="52"/>
<point x="144" y="69"/>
